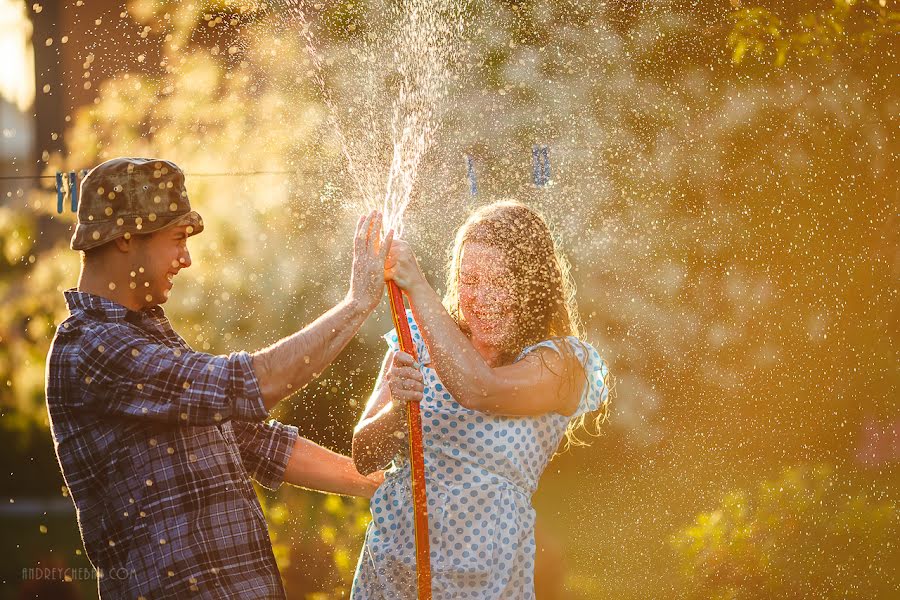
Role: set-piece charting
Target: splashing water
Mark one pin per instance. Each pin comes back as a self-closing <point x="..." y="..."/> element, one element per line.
<point x="410" y="64"/>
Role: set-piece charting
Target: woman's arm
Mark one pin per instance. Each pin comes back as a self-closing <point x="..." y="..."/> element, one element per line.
<point x="317" y="468"/>
<point x="381" y="430"/>
<point x="542" y="382"/>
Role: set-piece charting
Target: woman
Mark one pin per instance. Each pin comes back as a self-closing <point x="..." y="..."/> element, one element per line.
<point x="502" y="377"/>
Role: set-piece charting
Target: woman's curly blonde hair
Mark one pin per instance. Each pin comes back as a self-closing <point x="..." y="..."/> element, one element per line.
<point x="544" y="306"/>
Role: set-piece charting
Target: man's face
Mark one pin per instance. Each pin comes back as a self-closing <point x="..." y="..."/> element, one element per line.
<point x="157" y="258"/>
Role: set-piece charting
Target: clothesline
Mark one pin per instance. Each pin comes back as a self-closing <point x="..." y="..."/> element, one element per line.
<point x="232" y="174"/>
<point x="67" y="182"/>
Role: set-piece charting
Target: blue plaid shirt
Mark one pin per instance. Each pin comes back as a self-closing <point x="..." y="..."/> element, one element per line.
<point x="158" y="444"/>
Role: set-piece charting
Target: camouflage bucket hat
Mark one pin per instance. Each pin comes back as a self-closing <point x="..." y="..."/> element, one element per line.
<point x="132" y="196"/>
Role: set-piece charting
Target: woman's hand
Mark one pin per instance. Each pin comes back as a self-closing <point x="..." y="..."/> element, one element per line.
<point x="378" y="437"/>
<point x="404" y="380"/>
<point x="401" y="267"/>
<point x="369" y="252"/>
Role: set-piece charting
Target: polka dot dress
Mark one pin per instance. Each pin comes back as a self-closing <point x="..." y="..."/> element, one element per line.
<point x="481" y="471"/>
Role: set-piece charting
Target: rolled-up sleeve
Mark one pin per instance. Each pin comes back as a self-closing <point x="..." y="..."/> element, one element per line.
<point x="266" y="448"/>
<point x="129" y="375"/>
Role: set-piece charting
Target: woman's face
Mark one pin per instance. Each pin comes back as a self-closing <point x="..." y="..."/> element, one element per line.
<point x="486" y="296"/>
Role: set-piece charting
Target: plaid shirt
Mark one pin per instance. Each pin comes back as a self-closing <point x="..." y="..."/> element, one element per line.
<point x="157" y="444"/>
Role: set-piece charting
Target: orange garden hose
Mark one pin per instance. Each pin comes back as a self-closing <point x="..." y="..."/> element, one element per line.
<point x="416" y="458"/>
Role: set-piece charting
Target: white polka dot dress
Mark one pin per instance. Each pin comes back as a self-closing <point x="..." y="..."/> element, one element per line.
<point x="481" y="471"/>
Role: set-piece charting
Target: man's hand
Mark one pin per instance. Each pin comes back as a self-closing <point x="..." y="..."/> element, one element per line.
<point x="291" y="363"/>
<point x="375" y="480"/>
<point x="317" y="468"/>
<point x="369" y="253"/>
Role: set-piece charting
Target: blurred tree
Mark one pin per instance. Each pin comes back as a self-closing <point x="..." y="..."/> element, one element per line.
<point x="848" y="26"/>
<point x="811" y="533"/>
<point x="316" y="540"/>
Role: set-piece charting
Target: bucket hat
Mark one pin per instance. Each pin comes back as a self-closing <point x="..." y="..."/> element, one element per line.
<point x="132" y="196"/>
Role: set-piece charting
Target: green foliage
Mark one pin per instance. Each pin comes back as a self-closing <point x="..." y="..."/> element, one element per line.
<point x="30" y="288"/>
<point x="848" y="26"/>
<point x="808" y="534"/>
<point x="316" y="540"/>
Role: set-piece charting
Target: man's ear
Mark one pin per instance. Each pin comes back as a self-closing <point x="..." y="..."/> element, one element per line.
<point x="124" y="243"/>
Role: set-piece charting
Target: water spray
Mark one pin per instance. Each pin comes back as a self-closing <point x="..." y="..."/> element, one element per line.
<point x="422" y="43"/>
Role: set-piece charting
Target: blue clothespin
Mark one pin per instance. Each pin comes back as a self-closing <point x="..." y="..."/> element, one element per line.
<point x="73" y="189"/>
<point x="59" y="192"/>
<point x="540" y="156"/>
<point x="470" y="171"/>
<point x="547" y="164"/>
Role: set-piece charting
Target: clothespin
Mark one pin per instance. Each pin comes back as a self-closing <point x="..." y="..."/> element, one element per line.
<point x="470" y="172"/>
<point x="547" y="175"/>
<point x="59" y="192"/>
<point x="73" y="189"/>
<point x="540" y="155"/>
<point x="67" y="186"/>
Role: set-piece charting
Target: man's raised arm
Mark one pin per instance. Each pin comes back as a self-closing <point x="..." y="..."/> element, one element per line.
<point x="291" y="363"/>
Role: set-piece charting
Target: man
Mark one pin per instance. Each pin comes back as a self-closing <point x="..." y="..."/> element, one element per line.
<point x="157" y="442"/>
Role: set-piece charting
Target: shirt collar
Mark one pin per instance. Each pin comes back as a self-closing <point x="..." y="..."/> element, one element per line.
<point x="106" y="308"/>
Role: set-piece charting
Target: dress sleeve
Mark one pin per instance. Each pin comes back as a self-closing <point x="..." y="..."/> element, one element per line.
<point x="418" y="341"/>
<point x="596" y="391"/>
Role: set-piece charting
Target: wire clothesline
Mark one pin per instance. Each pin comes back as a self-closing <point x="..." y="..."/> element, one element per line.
<point x="67" y="182"/>
<point x="230" y="174"/>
